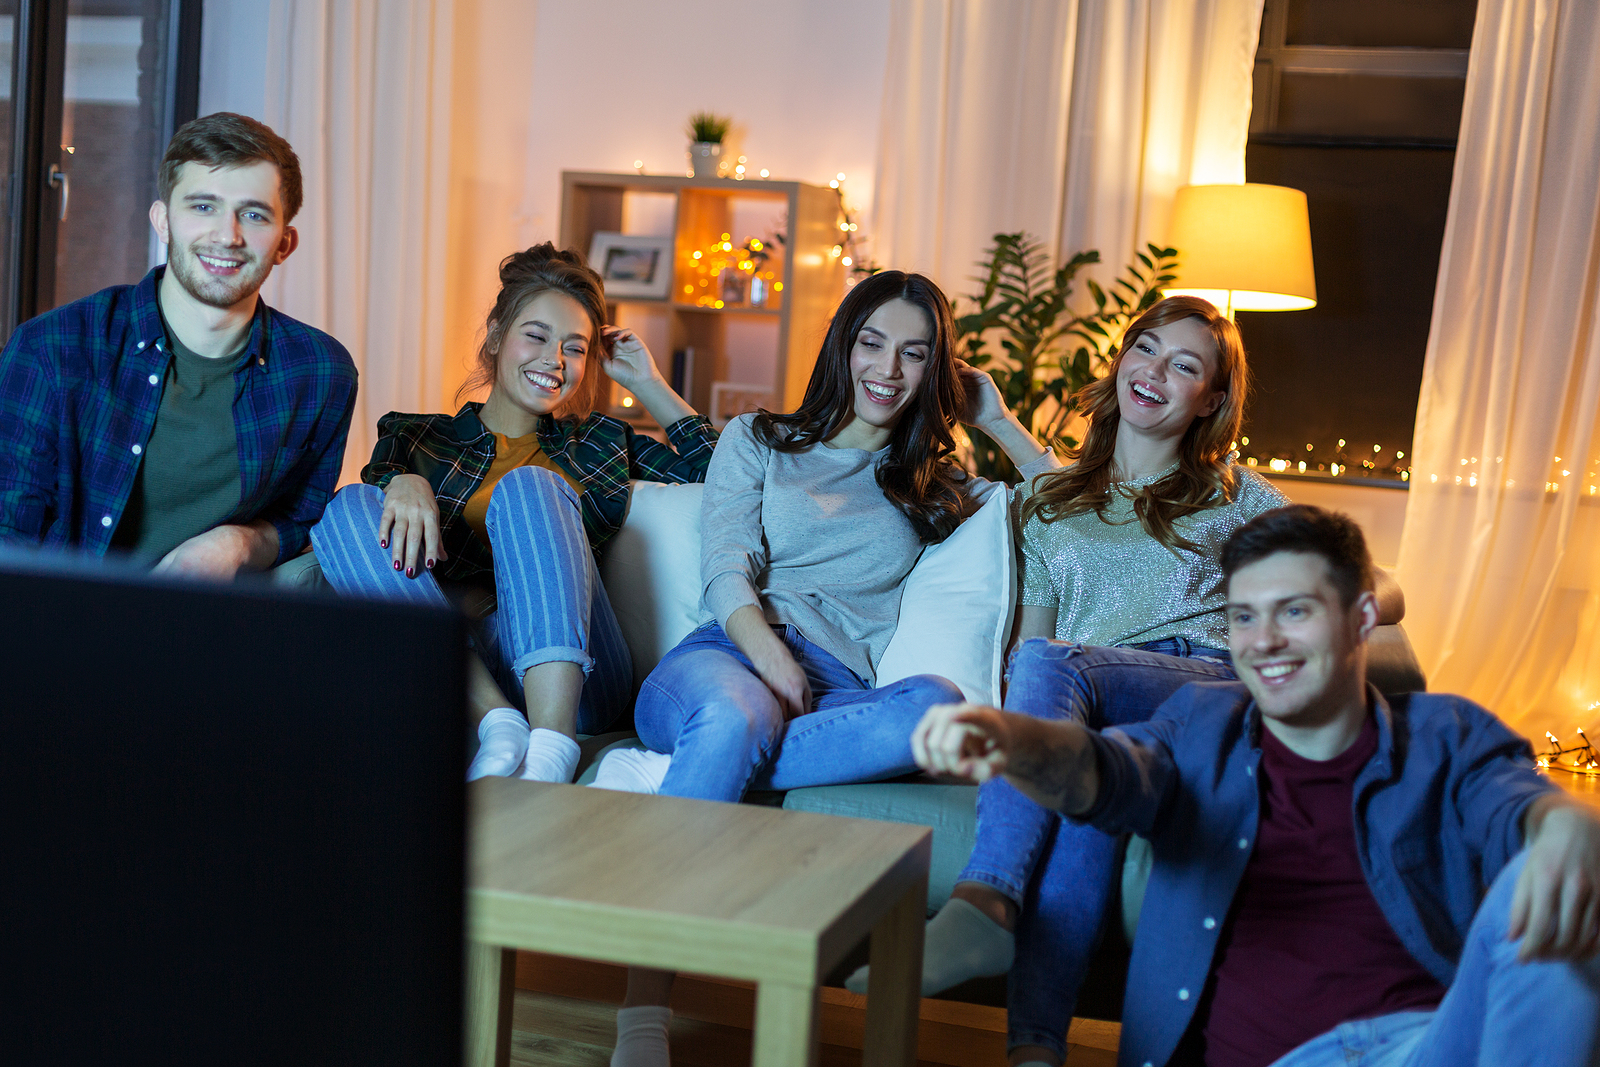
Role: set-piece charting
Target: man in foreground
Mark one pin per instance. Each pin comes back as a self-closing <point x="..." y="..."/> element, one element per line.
<point x="181" y="420"/>
<point x="1337" y="880"/>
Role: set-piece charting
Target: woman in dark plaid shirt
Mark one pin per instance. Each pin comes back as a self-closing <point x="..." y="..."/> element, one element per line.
<point x="515" y="494"/>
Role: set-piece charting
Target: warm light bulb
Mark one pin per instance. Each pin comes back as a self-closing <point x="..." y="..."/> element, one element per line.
<point x="627" y="401"/>
<point x="688" y="290"/>
<point x="777" y="287"/>
<point x="1244" y="440"/>
<point x="697" y="255"/>
<point x="638" y="164"/>
<point x="717" y="304"/>
<point x="847" y="261"/>
<point x="764" y="172"/>
<point x="833" y="185"/>
<point x="839" y="176"/>
<point x="742" y="159"/>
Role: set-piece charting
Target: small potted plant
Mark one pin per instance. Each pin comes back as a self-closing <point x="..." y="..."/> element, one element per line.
<point x="706" y="131"/>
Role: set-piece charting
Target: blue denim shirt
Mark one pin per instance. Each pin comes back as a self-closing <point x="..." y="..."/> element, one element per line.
<point x="1438" y="813"/>
<point x="80" y="387"/>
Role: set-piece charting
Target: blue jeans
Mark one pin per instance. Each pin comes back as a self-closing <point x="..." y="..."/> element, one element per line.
<point x="1061" y="874"/>
<point x="551" y="605"/>
<point x="1498" y="1012"/>
<point x="705" y="704"/>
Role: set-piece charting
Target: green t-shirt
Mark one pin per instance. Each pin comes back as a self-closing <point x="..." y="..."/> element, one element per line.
<point x="188" y="477"/>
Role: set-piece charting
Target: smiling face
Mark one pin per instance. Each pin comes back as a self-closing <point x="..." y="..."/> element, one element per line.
<point x="1296" y="645"/>
<point x="1166" y="379"/>
<point x="887" y="362"/>
<point x="543" y="354"/>
<point x="224" y="231"/>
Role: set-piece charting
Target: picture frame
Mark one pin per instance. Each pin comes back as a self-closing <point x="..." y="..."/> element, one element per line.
<point x="633" y="265"/>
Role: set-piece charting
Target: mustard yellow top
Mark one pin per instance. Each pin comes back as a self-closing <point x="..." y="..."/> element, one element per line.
<point x="509" y="454"/>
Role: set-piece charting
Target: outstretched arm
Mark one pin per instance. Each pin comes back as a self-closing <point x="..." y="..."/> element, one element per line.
<point x="1556" y="906"/>
<point x="1051" y="762"/>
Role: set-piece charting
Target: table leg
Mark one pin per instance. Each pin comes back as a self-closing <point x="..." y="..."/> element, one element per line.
<point x="786" y="1025"/>
<point x="491" y="974"/>
<point x="894" y="984"/>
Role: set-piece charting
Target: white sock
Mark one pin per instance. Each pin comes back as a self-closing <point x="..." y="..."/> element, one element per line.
<point x="642" y="1037"/>
<point x="502" y="739"/>
<point x="961" y="942"/>
<point x="632" y="770"/>
<point x="552" y="756"/>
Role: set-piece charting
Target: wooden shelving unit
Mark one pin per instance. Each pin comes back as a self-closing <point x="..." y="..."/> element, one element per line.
<point x="703" y="209"/>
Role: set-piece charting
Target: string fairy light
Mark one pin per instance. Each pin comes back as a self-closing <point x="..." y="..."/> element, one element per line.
<point x="1574" y="759"/>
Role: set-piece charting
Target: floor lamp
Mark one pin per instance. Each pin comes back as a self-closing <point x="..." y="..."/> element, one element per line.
<point x="1243" y="247"/>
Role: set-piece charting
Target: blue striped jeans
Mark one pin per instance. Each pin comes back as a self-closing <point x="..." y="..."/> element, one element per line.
<point x="551" y="605"/>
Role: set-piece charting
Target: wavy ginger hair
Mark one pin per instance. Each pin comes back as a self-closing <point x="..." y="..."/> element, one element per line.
<point x="1204" y="478"/>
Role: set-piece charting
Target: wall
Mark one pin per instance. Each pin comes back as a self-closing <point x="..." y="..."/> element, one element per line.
<point x="1379" y="510"/>
<point x="543" y="87"/>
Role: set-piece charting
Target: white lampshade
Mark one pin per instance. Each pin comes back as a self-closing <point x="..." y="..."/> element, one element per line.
<point x="1243" y="247"/>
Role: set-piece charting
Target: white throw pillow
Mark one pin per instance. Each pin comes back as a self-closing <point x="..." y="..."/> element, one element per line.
<point x="955" y="614"/>
<point x="651" y="571"/>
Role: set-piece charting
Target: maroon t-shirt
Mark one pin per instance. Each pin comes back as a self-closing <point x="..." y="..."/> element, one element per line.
<point x="1306" y="947"/>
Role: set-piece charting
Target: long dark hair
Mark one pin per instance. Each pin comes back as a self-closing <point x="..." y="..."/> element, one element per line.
<point x="918" y="476"/>
<point x="523" y="276"/>
<point x="1204" y="478"/>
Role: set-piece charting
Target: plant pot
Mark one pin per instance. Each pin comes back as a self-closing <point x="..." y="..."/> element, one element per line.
<point x="705" y="156"/>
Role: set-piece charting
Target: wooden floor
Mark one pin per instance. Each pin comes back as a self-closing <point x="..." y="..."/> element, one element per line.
<point x="566" y="1017"/>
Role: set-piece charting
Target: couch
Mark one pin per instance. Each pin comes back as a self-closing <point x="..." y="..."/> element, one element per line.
<point x="955" y="622"/>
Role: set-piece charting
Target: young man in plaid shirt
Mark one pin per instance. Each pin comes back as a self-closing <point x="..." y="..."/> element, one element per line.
<point x="180" y="420"/>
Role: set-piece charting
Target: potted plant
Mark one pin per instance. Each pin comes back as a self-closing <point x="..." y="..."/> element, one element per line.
<point x="706" y="132"/>
<point x="1039" y="350"/>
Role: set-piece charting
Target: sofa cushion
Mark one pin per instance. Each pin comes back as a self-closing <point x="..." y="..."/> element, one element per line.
<point x="651" y="571"/>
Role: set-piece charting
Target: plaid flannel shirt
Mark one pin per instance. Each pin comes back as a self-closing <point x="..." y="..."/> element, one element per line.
<point x="454" y="452"/>
<point x="80" y="387"/>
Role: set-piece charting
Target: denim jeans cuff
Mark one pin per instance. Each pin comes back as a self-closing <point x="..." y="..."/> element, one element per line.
<point x="553" y="654"/>
<point x="1017" y="1038"/>
<point x="997" y="881"/>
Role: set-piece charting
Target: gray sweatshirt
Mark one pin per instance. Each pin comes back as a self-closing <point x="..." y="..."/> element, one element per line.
<point x="810" y="539"/>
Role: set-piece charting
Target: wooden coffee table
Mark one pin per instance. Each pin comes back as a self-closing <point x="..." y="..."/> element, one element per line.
<point x="770" y="896"/>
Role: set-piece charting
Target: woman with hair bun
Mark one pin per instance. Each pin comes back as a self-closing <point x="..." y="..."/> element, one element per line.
<point x="810" y="524"/>
<point x="512" y="497"/>
<point x="1120" y="604"/>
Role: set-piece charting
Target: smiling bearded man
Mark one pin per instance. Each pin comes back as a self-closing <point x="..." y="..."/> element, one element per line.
<point x="180" y="420"/>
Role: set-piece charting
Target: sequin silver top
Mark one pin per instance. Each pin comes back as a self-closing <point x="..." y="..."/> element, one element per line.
<point x="1113" y="584"/>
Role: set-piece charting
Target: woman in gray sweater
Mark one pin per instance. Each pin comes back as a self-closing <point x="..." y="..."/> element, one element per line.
<point x="811" y="522"/>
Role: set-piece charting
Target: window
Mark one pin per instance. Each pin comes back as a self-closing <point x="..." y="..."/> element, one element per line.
<point x="96" y="88"/>
<point x="1357" y="102"/>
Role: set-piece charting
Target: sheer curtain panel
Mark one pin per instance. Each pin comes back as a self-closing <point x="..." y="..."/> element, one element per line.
<point x="1076" y="120"/>
<point x="361" y="88"/>
<point x="1500" y="558"/>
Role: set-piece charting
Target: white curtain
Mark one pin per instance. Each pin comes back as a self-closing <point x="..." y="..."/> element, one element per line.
<point x="361" y="88"/>
<point x="1500" y="558"/>
<point x="1075" y="120"/>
